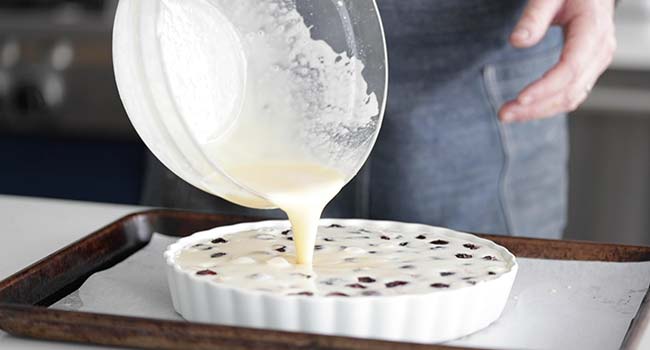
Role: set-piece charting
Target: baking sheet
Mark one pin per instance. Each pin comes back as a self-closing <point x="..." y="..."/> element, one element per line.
<point x="554" y="303"/>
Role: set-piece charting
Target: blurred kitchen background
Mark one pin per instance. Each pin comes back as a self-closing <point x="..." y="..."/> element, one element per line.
<point x="64" y="133"/>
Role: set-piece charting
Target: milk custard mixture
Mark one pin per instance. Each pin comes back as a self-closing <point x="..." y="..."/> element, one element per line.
<point x="301" y="191"/>
<point x="348" y="262"/>
<point x="283" y="115"/>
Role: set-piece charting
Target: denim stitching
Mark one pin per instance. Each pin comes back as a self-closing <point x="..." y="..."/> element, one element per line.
<point x="493" y="96"/>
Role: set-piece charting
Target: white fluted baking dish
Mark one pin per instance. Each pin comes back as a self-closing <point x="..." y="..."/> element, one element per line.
<point x="425" y="318"/>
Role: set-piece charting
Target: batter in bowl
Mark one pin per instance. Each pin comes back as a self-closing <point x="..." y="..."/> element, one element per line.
<point x="301" y="190"/>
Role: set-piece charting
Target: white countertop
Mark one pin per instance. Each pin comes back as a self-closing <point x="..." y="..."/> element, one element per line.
<point x="32" y="228"/>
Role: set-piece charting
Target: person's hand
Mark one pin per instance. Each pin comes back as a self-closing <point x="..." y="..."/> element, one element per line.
<point x="588" y="49"/>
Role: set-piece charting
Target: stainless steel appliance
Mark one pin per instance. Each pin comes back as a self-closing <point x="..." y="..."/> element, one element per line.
<point x="63" y="131"/>
<point x="56" y="74"/>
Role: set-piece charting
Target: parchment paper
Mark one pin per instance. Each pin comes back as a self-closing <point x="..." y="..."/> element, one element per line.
<point x="553" y="304"/>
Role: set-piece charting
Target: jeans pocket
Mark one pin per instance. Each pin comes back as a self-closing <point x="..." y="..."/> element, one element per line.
<point x="505" y="79"/>
<point x="534" y="177"/>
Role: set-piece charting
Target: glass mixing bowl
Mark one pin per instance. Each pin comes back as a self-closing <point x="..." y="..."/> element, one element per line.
<point x="210" y="85"/>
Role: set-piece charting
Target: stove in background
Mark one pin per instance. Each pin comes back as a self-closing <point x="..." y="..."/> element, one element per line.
<point x="63" y="131"/>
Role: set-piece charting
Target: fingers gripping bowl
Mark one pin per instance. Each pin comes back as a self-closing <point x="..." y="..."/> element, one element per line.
<point x="370" y="279"/>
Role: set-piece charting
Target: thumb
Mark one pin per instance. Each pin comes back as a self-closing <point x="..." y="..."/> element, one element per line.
<point x="534" y="22"/>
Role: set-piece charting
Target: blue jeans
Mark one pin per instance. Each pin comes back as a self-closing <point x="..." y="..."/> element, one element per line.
<point x="443" y="158"/>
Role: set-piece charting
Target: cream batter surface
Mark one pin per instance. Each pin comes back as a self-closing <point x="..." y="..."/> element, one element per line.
<point x="348" y="261"/>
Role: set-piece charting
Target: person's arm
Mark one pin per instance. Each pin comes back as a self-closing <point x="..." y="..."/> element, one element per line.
<point x="588" y="49"/>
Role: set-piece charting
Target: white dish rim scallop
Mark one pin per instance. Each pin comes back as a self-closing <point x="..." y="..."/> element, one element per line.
<point x="436" y="317"/>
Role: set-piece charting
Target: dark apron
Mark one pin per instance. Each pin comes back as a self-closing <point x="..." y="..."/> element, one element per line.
<point x="442" y="157"/>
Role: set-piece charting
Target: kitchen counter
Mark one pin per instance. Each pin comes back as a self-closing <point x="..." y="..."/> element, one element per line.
<point x="31" y="228"/>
